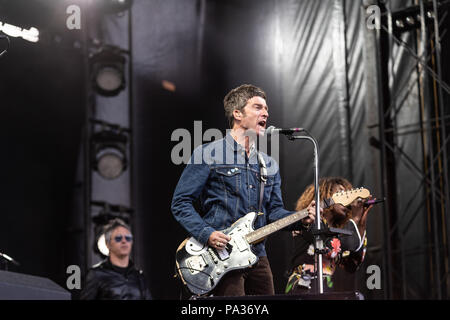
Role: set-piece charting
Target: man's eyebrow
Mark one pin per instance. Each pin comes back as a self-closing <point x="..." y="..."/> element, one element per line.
<point x="261" y="105"/>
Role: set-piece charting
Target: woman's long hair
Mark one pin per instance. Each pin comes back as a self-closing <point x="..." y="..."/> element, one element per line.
<point x="326" y="186"/>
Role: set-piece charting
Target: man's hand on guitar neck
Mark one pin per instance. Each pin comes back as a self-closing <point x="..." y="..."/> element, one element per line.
<point x="307" y="221"/>
<point x="311" y="213"/>
<point x="218" y="240"/>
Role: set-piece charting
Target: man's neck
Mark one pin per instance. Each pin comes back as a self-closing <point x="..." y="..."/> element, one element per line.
<point x="241" y="138"/>
<point x="119" y="261"/>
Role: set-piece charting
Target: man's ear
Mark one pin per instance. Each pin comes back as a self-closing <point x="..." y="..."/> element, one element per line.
<point x="237" y="114"/>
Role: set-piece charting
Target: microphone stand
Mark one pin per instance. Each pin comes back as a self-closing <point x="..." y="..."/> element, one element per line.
<point x="318" y="241"/>
<point x="318" y="232"/>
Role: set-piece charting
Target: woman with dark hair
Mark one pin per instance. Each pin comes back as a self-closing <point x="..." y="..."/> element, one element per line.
<point x="346" y="251"/>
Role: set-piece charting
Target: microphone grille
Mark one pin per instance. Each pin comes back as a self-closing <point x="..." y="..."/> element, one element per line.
<point x="269" y="130"/>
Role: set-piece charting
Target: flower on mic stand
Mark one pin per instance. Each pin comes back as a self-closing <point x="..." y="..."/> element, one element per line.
<point x="335" y="248"/>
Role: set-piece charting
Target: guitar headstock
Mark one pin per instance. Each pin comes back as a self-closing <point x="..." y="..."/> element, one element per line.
<point x="347" y="197"/>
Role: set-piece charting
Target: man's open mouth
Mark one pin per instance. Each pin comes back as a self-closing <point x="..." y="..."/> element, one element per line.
<point x="262" y="124"/>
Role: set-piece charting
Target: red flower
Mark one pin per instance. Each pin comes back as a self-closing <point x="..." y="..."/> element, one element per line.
<point x="335" y="248"/>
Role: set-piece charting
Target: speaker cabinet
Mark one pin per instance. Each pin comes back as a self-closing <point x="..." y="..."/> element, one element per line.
<point x="17" y="286"/>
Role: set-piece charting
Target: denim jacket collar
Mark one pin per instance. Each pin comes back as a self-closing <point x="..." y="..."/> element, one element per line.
<point x="232" y="144"/>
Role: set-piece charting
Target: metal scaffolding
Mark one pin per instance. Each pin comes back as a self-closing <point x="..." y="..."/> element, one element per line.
<point x="416" y="32"/>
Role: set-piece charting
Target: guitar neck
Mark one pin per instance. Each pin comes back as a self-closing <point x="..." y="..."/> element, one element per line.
<point x="261" y="233"/>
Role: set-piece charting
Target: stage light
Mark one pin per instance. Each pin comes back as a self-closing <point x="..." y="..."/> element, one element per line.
<point x="399" y="23"/>
<point x="108" y="71"/>
<point x="101" y="220"/>
<point x="410" y="21"/>
<point x="31" y="34"/>
<point x="101" y="245"/>
<point x="109" y="153"/>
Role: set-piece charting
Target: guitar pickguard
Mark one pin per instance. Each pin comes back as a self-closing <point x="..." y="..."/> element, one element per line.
<point x="194" y="247"/>
<point x="202" y="267"/>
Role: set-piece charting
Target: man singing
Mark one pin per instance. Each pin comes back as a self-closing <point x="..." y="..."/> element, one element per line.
<point x="224" y="179"/>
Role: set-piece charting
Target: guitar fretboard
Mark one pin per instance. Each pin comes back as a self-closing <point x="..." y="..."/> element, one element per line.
<point x="273" y="227"/>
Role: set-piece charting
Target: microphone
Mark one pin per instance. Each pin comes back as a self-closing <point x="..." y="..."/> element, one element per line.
<point x="270" y="130"/>
<point x="370" y="202"/>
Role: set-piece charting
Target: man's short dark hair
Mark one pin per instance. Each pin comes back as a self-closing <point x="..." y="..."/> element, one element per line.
<point x="112" y="225"/>
<point x="237" y="98"/>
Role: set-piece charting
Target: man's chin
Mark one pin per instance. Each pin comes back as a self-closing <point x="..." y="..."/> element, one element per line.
<point x="253" y="133"/>
<point x="123" y="254"/>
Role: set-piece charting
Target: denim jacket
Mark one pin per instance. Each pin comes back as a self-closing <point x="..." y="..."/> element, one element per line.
<point x="226" y="185"/>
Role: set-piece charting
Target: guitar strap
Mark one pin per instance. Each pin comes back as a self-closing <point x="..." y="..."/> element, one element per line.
<point x="262" y="180"/>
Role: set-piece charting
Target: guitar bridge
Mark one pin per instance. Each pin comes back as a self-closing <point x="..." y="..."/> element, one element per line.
<point x="196" y="264"/>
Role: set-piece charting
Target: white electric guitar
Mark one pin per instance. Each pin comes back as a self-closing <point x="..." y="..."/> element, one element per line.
<point x="201" y="267"/>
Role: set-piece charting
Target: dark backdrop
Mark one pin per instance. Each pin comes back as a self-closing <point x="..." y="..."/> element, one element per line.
<point x="42" y="103"/>
<point x="294" y="50"/>
<point x="308" y="56"/>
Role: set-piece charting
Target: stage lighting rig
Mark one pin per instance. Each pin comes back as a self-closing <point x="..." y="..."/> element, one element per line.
<point x="410" y="18"/>
<point x="108" y="70"/>
<point x="109" y="151"/>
